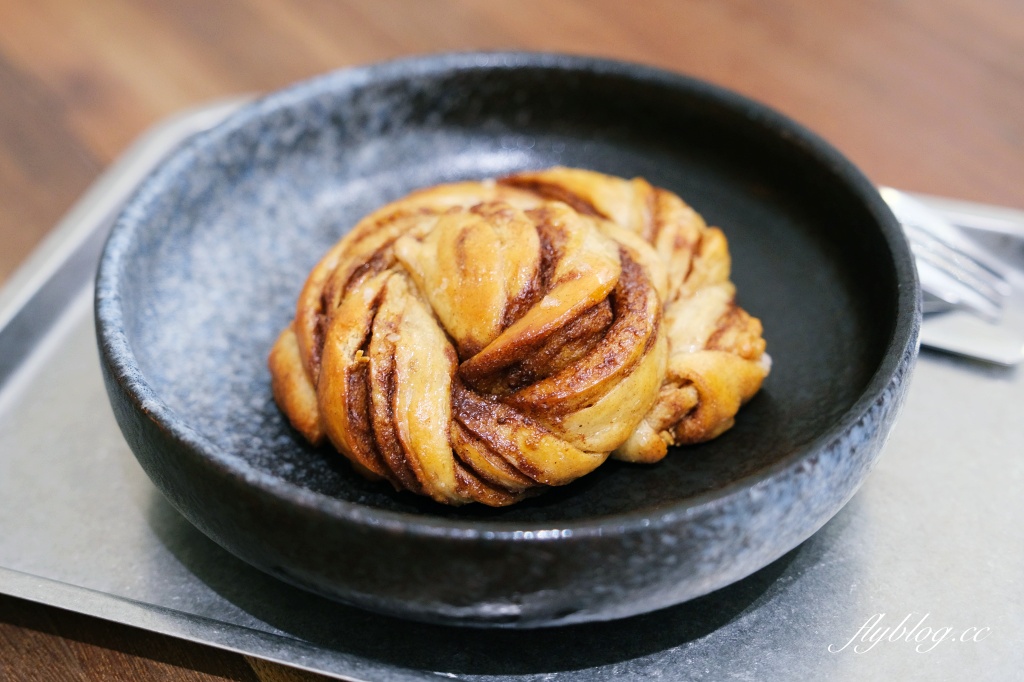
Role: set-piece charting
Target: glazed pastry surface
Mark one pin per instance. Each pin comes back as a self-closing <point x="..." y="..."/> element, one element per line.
<point x="482" y="341"/>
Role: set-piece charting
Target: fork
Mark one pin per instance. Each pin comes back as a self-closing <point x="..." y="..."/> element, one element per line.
<point x="954" y="271"/>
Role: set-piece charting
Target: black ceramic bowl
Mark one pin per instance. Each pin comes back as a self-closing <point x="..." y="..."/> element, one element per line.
<point x="204" y="265"/>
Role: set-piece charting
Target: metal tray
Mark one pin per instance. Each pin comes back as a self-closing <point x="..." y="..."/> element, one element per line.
<point x="919" y="577"/>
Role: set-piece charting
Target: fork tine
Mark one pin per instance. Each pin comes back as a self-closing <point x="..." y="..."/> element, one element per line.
<point x="941" y="291"/>
<point x="951" y="267"/>
<point x="910" y="211"/>
<point x="965" y="268"/>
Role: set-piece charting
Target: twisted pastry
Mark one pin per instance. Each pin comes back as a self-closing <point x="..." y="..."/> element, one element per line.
<point x="480" y="341"/>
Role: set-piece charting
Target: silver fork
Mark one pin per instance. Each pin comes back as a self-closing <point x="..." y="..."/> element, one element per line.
<point x="954" y="271"/>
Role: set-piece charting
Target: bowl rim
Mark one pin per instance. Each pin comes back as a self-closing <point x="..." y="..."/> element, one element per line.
<point x="117" y="353"/>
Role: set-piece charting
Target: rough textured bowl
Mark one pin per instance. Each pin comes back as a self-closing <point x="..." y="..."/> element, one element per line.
<point x="204" y="265"/>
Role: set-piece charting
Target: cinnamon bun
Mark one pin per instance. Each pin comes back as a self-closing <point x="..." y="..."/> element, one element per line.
<point x="482" y="341"/>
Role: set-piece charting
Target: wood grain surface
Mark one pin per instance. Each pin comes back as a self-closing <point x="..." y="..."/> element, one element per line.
<point x="926" y="95"/>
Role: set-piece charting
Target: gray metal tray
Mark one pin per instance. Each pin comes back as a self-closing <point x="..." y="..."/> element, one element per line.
<point x="921" y="576"/>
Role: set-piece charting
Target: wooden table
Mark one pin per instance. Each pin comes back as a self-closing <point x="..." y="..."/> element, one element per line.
<point x="927" y="95"/>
